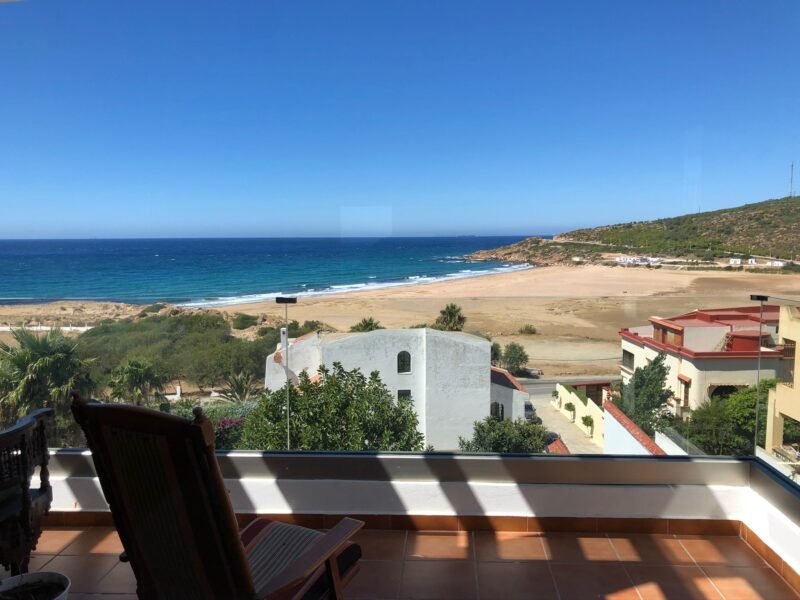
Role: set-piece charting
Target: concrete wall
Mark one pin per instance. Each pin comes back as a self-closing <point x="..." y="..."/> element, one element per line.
<point x="449" y="379"/>
<point x="457" y="384"/>
<point x="377" y="351"/>
<point x="512" y="400"/>
<point x="581" y="410"/>
<point x="784" y="400"/>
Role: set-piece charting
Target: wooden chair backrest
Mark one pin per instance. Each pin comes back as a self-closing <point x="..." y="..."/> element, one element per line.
<point x="162" y="482"/>
<point x="23" y="447"/>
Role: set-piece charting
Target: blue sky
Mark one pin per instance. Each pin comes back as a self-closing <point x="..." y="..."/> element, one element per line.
<point x="128" y="119"/>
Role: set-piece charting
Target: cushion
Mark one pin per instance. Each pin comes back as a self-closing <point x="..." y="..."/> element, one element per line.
<point x="272" y="546"/>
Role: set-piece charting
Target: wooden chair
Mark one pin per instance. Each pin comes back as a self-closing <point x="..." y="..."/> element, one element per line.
<point x="162" y="482"/>
<point x="23" y="447"/>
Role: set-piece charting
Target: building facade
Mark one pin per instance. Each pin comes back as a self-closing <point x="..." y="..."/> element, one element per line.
<point x="448" y="375"/>
<point x="709" y="352"/>
<point x="784" y="400"/>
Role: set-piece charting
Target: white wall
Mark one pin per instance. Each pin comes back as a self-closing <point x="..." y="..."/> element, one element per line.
<point x="618" y="440"/>
<point x="513" y="400"/>
<point x="457" y="382"/>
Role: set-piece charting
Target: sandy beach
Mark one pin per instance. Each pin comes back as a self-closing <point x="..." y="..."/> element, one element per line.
<point x="576" y="310"/>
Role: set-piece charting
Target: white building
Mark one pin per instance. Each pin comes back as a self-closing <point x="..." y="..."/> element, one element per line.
<point x="448" y="375"/>
<point x="735" y="261"/>
<point x="709" y="352"/>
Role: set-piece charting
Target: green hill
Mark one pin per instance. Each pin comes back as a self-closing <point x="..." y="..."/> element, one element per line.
<point x="770" y="228"/>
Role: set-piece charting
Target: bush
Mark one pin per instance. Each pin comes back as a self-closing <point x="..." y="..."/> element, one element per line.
<point x="344" y="411"/>
<point x="571" y="408"/>
<point x="154" y="308"/>
<point x="503" y="435"/>
<point x="243" y="321"/>
<point x="588" y="422"/>
<point x="228" y="433"/>
<point x="528" y="330"/>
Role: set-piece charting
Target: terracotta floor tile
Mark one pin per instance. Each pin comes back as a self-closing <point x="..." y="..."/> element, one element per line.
<point x="588" y="580"/>
<point x="749" y="583"/>
<point x="501" y="545"/>
<point x="54" y="540"/>
<point x="95" y="540"/>
<point x="378" y="544"/>
<point x="510" y="580"/>
<point x="83" y="571"/>
<point x="650" y="549"/>
<point x="672" y="582"/>
<point x="573" y="548"/>
<point x="439" y="580"/>
<point x="439" y="544"/>
<point x="120" y="580"/>
<point x="379" y="579"/>
<point x="723" y="550"/>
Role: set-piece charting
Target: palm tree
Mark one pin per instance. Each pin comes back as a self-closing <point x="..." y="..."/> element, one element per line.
<point x="38" y="371"/>
<point x="239" y="387"/>
<point x="137" y="382"/>
<point x="450" y="318"/>
<point x="366" y="324"/>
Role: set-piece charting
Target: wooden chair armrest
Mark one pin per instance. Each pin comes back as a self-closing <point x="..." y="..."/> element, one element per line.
<point x="325" y="548"/>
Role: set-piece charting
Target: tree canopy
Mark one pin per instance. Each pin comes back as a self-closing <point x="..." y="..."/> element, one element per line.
<point x="515" y="358"/>
<point x="366" y="324"/>
<point x="344" y="410"/>
<point x="644" y="397"/>
<point x="493" y="434"/>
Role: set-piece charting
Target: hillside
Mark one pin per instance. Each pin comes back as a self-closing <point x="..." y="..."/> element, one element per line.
<point x="770" y="228"/>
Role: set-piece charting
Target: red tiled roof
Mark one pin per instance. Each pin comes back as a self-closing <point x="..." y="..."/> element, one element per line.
<point x="558" y="447"/>
<point x="640" y="436"/>
<point x="506" y="379"/>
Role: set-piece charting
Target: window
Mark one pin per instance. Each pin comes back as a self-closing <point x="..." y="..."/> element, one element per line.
<point x="403" y="394"/>
<point x="627" y="359"/>
<point x="497" y="410"/>
<point x="404" y="362"/>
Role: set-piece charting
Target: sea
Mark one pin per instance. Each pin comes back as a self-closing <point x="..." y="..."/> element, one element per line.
<point x="219" y="272"/>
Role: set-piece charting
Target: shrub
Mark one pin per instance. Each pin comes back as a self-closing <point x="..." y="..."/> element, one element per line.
<point x="571" y="408"/>
<point x="228" y="433"/>
<point x="503" y="435"/>
<point x="243" y="321"/>
<point x="528" y="330"/>
<point x="154" y="308"/>
<point x="588" y="422"/>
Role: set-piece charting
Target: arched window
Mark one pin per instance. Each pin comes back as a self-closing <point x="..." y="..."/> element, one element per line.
<point x="404" y="362"/>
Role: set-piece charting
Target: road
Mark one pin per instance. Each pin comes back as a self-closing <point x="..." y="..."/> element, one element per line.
<point x="541" y="391"/>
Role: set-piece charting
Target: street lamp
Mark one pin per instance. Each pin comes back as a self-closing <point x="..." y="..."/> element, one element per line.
<point x="286" y="301"/>
<point x="760" y="299"/>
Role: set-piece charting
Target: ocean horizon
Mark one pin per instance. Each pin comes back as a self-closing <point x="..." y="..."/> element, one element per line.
<point x="209" y="272"/>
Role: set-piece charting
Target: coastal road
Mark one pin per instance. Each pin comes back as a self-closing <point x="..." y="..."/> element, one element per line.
<point x="541" y="391"/>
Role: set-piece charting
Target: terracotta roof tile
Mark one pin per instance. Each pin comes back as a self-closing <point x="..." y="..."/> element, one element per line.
<point x="640" y="436"/>
<point x="558" y="447"/>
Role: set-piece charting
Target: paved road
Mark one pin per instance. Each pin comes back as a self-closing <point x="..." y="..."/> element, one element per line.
<point x="541" y="393"/>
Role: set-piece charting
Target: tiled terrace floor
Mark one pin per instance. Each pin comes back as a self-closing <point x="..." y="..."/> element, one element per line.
<point x="485" y="565"/>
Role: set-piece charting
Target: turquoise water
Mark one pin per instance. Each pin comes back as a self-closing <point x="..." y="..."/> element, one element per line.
<point x="215" y="272"/>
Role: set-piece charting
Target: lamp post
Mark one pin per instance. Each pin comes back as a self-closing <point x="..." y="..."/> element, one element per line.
<point x="286" y="301"/>
<point x="760" y="299"/>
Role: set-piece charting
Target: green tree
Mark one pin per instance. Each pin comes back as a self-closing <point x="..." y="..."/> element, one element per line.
<point x="344" y="410"/>
<point x="137" y="382"/>
<point x="366" y="324"/>
<point x="495" y="435"/>
<point x="38" y="371"/>
<point x="515" y="358"/>
<point x="497" y="354"/>
<point x="450" y="318"/>
<point x="240" y="387"/>
<point x="644" y="398"/>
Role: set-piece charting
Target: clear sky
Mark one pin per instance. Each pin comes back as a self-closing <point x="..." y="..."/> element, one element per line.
<point x="262" y="118"/>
